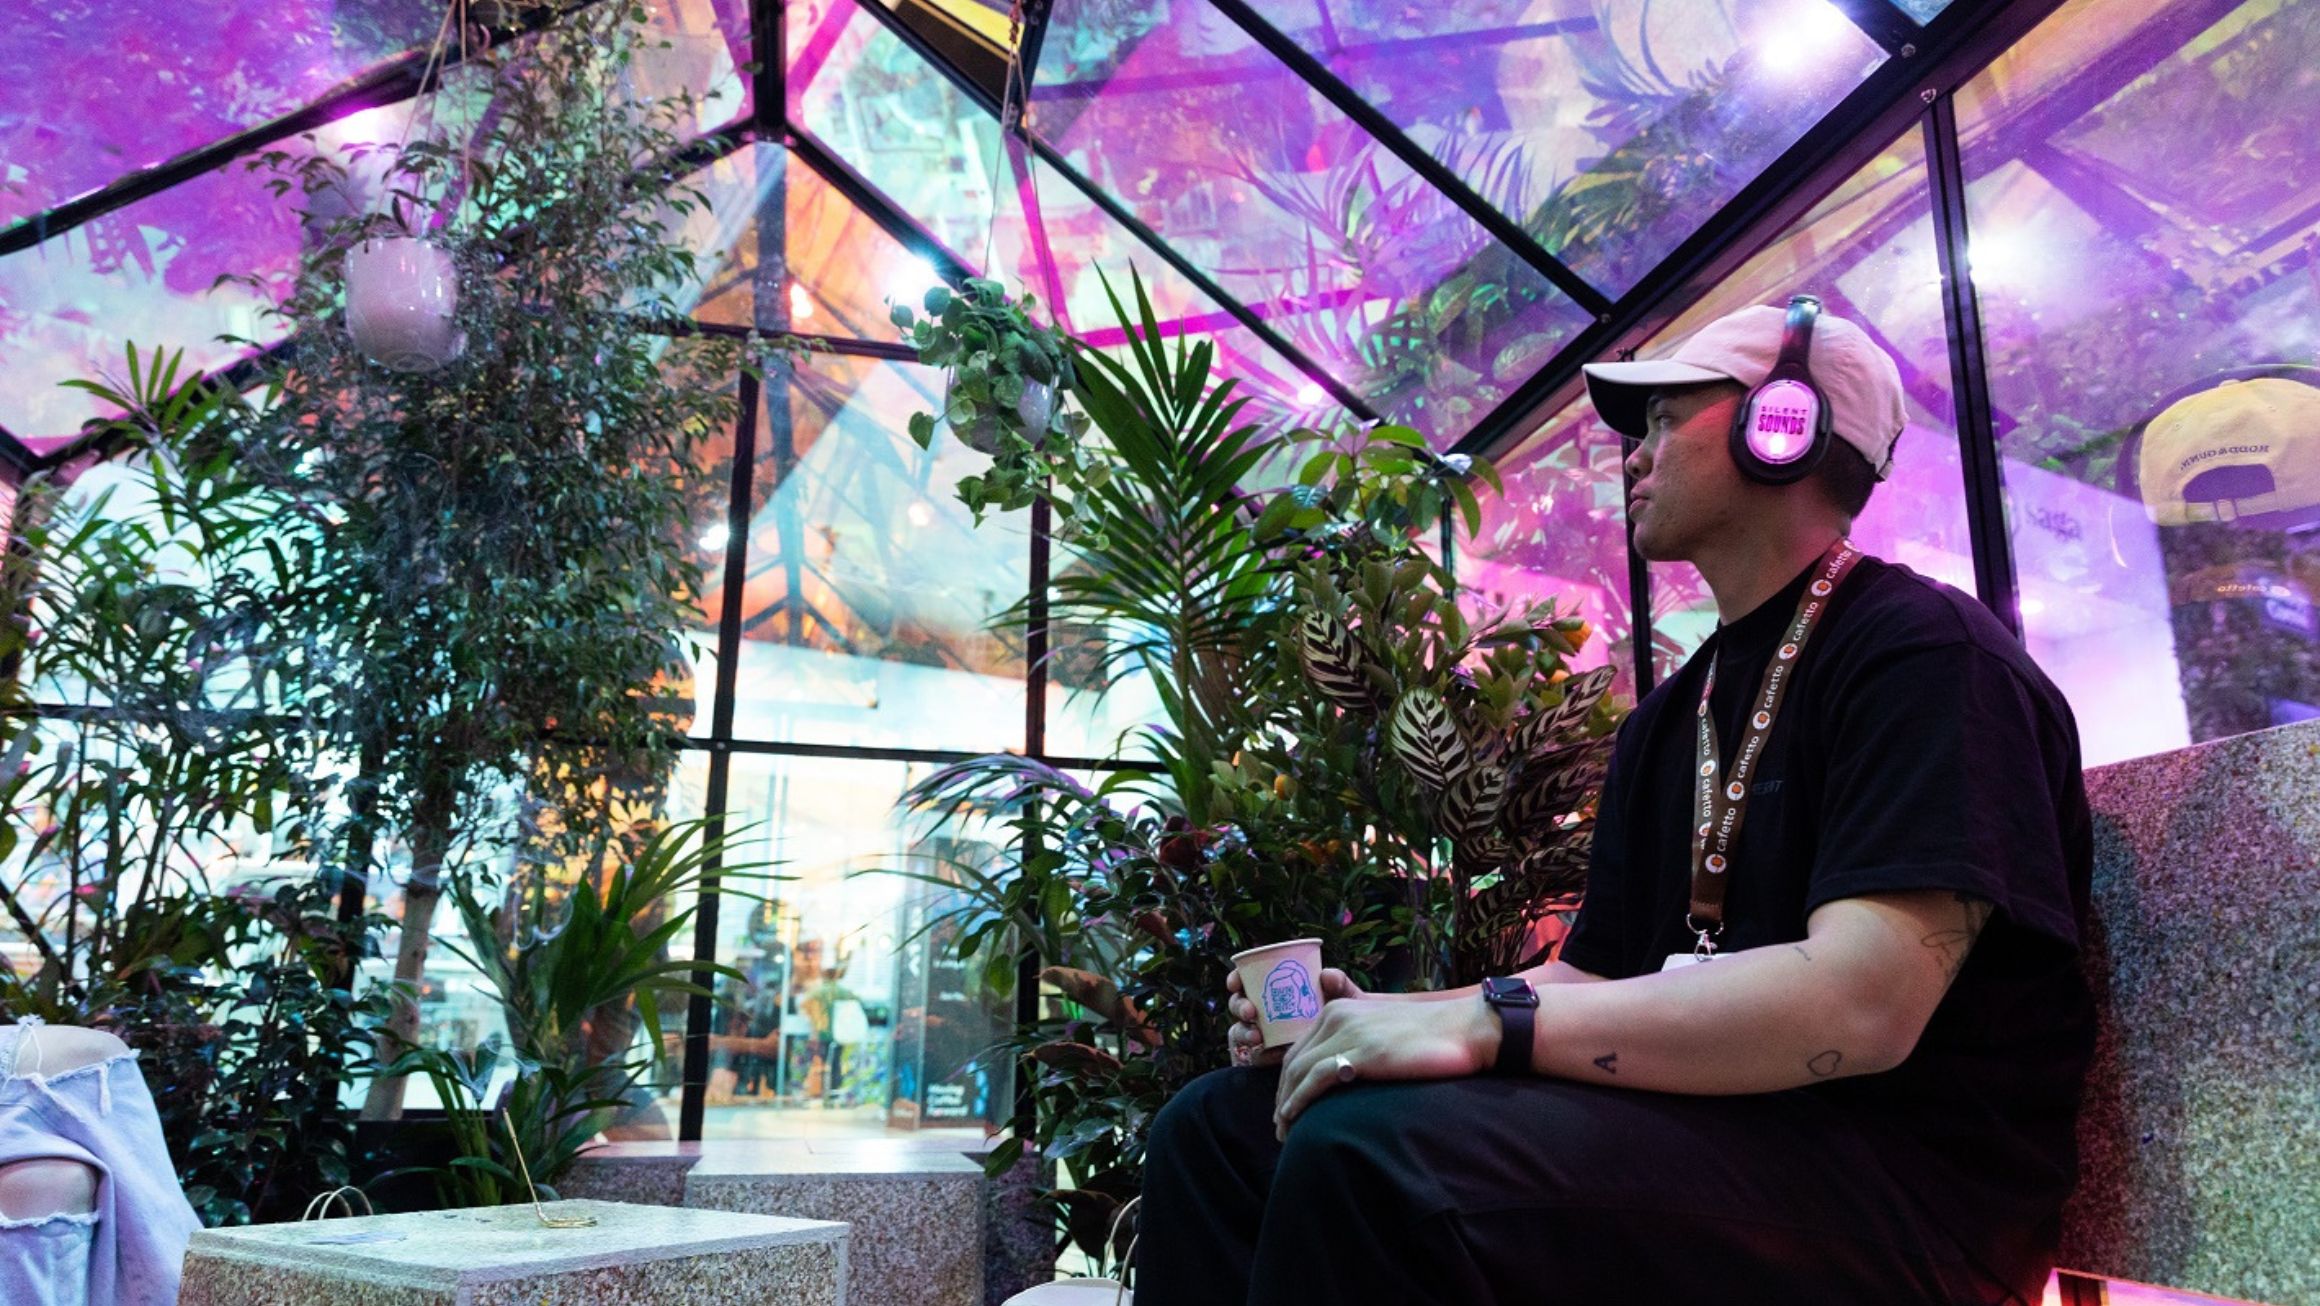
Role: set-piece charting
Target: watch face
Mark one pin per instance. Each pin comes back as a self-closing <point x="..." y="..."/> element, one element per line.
<point x="1507" y="990"/>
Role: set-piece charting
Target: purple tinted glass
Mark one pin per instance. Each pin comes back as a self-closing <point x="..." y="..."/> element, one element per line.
<point x="1559" y="532"/>
<point x="1868" y="251"/>
<point x="1611" y="131"/>
<point x="1051" y="239"/>
<point x="898" y="123"/>
<point x="2140" y="203"/>
<point x="1243" y="168"/>
<point x="91" y="91"/>
<point x="144" y="273"/>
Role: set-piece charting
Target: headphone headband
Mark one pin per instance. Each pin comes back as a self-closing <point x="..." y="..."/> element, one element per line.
<point x="1796" y="337"/>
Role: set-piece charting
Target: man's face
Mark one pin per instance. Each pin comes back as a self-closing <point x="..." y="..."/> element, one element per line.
<point x="1686" y="489"/>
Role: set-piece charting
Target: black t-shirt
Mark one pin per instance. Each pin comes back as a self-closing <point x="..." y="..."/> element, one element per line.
<point x="1919" y="748"/>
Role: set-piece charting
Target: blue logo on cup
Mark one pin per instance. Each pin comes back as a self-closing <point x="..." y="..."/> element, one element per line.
<point x="1289" y="993"/>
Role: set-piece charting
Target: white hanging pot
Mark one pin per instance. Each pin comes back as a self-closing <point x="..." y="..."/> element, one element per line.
<point x="982" y="434"/>
<point x="401" y="297"/>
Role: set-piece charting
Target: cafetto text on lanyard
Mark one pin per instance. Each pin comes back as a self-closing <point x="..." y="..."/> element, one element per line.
<point x="1721" y="806"/>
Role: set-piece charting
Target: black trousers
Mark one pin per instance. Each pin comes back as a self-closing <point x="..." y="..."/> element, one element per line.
<point x="1478" y="1191"/>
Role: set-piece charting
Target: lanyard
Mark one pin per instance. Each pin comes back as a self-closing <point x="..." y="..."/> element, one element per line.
<point x="1722" y="807"/>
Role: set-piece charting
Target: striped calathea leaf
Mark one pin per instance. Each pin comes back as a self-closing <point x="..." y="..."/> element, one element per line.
<point x="1540" y="729"/>
<point x="1333" y="661"/>
<point x="1427" y="739"/>
<point x="1470" y="804"/>
<point x="1551" y="787"/>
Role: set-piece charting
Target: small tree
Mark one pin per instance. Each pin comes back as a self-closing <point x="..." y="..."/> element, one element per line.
<point x="506" y="549"/>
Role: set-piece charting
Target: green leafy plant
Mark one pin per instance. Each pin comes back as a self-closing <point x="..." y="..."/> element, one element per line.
<point x="1269" y="809"/>
<point x="509" y="558"/>
<point x="581" y="969"/>
<point x="1007" y="376"/>
<point x="154" y="757"/>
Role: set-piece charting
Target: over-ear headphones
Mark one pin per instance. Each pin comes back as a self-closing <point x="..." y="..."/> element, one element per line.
<point x="1783" y="428"/>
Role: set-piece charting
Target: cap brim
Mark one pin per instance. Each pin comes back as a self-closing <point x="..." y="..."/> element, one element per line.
<point x="1620" y="391"/>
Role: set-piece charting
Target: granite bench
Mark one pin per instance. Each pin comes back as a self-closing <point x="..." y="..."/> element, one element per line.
<point x="502" y="1256"/>
<point x="921" y="1217"/>
<point x="2200" y="1137"/>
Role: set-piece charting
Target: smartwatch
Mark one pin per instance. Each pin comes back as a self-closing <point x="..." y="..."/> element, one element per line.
<point x="1516" y="1003"/>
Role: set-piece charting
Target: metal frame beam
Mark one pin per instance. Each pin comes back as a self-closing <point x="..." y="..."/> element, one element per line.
<point x="873" y="203"/>
<point x="1992" y="543"/>
<point x="1385" y="132"/>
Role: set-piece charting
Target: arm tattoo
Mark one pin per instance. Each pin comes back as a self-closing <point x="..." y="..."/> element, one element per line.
<point x="1608" y="1063"/>
<point x="1825" y="1064"/>
<point x="1950" y="946"/>
<point x="1800" y="951"/>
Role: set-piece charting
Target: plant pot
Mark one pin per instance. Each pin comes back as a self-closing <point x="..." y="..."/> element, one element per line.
<point x="401" y="298"/>
<point x="982" y="435"/>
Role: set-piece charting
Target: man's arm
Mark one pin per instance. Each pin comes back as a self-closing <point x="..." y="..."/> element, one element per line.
<point x="1851" y="999"/>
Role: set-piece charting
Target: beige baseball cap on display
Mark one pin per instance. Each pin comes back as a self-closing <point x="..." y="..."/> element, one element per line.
<point x="2245" y="451"/>
<point x="1859" y="380"/>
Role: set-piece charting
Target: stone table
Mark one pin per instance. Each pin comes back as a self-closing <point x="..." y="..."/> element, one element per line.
<point x="916" y="1211"/>
<point x="501" y="1256"/>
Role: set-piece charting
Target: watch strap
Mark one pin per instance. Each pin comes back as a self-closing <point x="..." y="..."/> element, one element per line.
<point x="1514" y="1040"/>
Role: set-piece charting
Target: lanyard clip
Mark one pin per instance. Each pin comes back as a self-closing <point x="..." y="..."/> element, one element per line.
<point x="1704" y="944"/>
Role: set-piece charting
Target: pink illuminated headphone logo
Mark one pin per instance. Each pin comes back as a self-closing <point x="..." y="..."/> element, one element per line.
<point x="1781" y="432"/>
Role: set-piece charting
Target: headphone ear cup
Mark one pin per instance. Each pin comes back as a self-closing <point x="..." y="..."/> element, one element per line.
<point x="1754" y="467"/>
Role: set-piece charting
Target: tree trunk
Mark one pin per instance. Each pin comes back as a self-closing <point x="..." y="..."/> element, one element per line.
<point x="430" y="842"/>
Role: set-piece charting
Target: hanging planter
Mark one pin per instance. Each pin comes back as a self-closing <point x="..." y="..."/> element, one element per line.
<point x="984" y="429"/>
<point x="402" y="296"/>
<point x="1004" y="378"/>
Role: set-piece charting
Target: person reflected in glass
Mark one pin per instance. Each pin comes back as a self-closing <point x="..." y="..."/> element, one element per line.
<point x="1819" y="1030"/>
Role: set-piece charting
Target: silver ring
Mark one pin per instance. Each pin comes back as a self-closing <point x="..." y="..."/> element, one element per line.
<point x="1344" y="1068"/>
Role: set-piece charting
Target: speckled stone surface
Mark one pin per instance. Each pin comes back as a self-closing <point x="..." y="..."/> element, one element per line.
<point x="916" y="1215"/>
<point x="647" y="1174"/>
<point x="1018" y="1233"/>
<point x="500" y="1256"/>
<point x="2200" y="1136"/>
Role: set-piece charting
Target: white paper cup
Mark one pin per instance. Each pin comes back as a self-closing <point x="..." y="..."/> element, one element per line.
<point x="1284" y="981"/>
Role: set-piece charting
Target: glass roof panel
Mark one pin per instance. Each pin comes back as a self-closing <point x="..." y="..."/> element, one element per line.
<point x="1239" y="165"/>
<point x="144" y="273"/>
<point x="1923" y="11"/>
<point x="1613" y="130"/>
<point x="1066" y="248"/>
<point x="869" y="586"/>
<point x="872" y="101"/>
<point x="91" y="91"/>
<point x="147" y="272"/>
<point x="843" y="267"/>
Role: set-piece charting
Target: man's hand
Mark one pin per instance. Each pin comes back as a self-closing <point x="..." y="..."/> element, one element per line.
<point x="1383" y="1039"/>
<point x="1245" y="1042"/>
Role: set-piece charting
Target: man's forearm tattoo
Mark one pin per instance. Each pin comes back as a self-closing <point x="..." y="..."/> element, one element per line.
<point x="1950" y="946"/>
<point x="1825" y="1064"/>
<point x="1608" y="1063"/>
<point x="1800" y="951"/>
